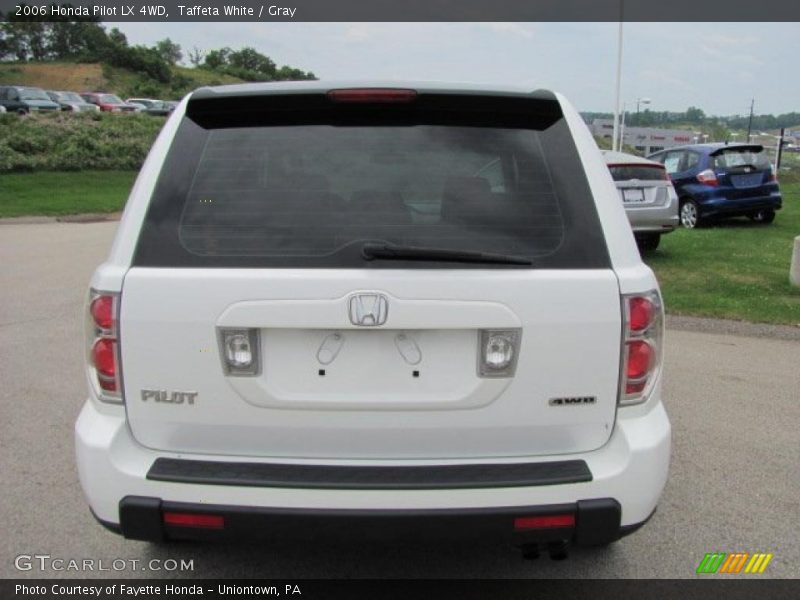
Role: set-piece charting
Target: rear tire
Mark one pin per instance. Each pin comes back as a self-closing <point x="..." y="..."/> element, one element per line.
<point x="689" y="213"/>
<point x="648" y="242"/>
<point x="764" y="216"/>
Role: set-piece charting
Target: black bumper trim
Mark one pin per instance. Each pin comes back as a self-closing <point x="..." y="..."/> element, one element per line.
<point x="597" y="522"/>
<point x="369" y="478"/>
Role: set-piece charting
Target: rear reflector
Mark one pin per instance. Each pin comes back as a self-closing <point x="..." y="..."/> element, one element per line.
<point x="372" y="95"/>
<point x="544" y="522"/>
<point x="194" y="520"/>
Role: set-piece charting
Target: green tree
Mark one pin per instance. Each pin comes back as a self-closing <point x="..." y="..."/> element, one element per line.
<point x="695" y="115"/>
<point x="215" y="59"/>
<point x="249" y="59"/>
<point x="196" y="56"/>
<point x="169" y="51"/>
<point x="287" y="73"/>
<point x="117" y="38"/>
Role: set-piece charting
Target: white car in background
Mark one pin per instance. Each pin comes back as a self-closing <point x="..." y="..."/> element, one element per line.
<point x="374" y="310"/>
<point x="647" y="194"/>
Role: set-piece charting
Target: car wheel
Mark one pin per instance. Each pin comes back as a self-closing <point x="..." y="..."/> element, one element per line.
<point x="690" y="214"/>
<point x="648" y="242"/>
<point x="765" y="216"/>
<point x="22" y="111"/>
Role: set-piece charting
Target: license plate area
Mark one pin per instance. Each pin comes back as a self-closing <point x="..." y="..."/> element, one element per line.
<point x="368" y="370"/>
<point x="633" y="196"/>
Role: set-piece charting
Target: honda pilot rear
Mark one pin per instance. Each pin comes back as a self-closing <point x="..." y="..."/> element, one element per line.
<point x="383" y="308"/>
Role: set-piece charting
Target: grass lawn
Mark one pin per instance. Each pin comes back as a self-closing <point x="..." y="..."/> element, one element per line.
<point x="735" y="269"/>
<point x="55" y="193"/>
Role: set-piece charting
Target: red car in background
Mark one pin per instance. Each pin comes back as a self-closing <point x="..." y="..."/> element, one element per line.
<point x="108" y="102"/>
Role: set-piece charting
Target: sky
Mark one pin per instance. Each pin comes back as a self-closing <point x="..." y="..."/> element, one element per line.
<point x="718" y="67"/>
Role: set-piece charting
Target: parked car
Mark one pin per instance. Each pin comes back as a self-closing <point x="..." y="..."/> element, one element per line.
<point x="151" y="107"/>
<point x="327" y="322"/>
<point x="647" y="194"/>
<point x="108" y="102"/>
<point x="71" y="101"/>
<point x="23" y="100"/>
<point x="722" y="180"/>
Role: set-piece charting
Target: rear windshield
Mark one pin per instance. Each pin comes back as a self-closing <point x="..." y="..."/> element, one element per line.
<point x="311" y="193"/>
<point x="641" y="172"/>
<point x="733" y="158"/>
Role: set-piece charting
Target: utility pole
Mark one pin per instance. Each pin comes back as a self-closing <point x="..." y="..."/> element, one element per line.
<point x="750" y="121"/>
<point x="779" y="153"/>
<point x="616" y="142"/>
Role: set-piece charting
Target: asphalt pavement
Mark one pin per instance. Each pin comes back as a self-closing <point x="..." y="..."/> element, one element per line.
<point x="734" y="485"/>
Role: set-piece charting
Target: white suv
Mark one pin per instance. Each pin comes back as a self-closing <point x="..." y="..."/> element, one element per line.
<point x="403" y="308"/>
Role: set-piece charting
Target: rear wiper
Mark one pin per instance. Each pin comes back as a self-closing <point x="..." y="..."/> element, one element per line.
<point x="373" y="250"/>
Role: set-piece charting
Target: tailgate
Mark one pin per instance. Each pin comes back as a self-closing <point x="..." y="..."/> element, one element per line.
<point x="377" y="398"/>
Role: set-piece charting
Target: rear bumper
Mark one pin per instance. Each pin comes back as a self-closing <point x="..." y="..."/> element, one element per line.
<point x="628" y="472"/>
<point x="712" y="206"/>
<point x="653" y="219"/>
<point x="596" y="522"/>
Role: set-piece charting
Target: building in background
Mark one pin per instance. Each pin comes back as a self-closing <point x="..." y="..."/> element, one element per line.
<point x="645" y="139"/>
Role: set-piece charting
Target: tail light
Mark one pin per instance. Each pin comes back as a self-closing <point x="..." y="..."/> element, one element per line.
<point x="708" y="177"/>
<point x="102" y="336"/>
<point x="642" y="342"/>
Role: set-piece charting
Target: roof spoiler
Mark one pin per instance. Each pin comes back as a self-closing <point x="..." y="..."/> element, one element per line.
<point x="252" y="107"/>
<point x="750" y="147"/>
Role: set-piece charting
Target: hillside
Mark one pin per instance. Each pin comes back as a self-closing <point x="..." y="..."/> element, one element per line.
<point x="81" y="77"/>
<point x="63" y="141"/>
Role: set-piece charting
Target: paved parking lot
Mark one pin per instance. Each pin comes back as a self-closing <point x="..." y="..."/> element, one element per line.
<point x="734" y="485"/>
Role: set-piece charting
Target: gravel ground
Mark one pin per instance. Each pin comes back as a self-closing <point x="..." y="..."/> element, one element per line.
<point x="729" y="327"/>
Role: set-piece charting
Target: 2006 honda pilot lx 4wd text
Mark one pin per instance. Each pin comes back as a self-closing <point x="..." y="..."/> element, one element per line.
<point x="409" y="308"/>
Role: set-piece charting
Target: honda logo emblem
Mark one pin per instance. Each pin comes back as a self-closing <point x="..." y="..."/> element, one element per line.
<point x="368" y="310"/>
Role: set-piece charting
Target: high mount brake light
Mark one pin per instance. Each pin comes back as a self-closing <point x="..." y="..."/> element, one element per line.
<point x="102" y="337"/>
<point x="369" y="95"/>
<point x="641" y="345"/>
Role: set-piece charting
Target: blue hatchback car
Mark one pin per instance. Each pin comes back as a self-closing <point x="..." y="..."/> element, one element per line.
<point x="721" y="180"/>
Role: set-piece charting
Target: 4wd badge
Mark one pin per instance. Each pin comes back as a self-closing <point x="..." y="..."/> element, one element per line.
<point x="572" y="400"/>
